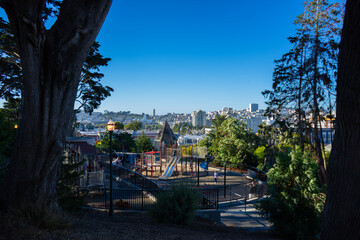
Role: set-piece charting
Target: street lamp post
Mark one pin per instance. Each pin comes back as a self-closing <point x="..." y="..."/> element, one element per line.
<point x="225" y="180"/>
<point x="111" y="127"/>
<point x="198" y="171"/>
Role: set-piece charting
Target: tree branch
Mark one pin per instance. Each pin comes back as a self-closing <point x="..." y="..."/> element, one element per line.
<point x="78" y="29"/>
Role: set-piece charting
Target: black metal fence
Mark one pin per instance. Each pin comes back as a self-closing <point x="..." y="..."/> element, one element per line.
<point x="134" y="178"/>
<point x="134" y="199"/>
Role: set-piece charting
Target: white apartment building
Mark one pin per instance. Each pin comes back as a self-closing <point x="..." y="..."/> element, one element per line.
<point x="198" y="118"/>
<point x="254" y="122"/>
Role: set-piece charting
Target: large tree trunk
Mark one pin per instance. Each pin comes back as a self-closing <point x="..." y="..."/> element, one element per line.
<point x="51" y="62"/>
<point x="342" y="212"/>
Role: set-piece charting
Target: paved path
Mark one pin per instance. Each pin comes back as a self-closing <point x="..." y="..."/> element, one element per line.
<point x="236" y="216"/>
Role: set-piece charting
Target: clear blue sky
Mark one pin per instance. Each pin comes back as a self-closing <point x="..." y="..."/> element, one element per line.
<point x="185" y="55"/>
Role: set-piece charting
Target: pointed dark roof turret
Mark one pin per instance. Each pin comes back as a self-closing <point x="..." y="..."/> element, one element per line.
<point x="166" y="135"/>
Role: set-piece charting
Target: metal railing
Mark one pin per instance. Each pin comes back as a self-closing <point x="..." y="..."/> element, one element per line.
<point x="134" y="178"/>
<point x="139" y="199"/>
<point x="237" y="197"/>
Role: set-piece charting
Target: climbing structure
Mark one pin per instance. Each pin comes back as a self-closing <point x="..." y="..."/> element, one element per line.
<point x="166" y="139"/>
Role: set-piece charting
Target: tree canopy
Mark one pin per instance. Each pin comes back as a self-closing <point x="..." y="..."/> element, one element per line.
<point x="136" y="125"/>
<point x="120" y="142"/>
<point x="296" y="201"/>
<point x="144" y="143"/>
<point x="90" y="91"/>
<point x="231" y="142"/>
<point x="119" y="125"/>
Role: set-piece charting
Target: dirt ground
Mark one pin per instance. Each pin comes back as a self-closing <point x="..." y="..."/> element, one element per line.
<point x="92" y="224"/>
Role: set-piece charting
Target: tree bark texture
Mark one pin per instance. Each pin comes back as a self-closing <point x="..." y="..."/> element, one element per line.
<point x="51" y="62"/>
<point x="342" y="212"/>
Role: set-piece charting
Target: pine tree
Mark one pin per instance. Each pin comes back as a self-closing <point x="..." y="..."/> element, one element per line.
<point x="304" y="77"/>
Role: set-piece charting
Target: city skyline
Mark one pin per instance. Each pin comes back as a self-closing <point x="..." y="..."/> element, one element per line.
<point x="188" y="113"/>
<point x="181" y="56"/>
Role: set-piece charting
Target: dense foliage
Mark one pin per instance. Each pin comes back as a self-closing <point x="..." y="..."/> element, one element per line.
<point x="119" y="125"/>
<point x="120" y="142"/>
<point x="154" y="126"/>
<point x="296" y="200"/>
<point x="184" y="128"/>
<point x="143" y="143"/>
<point x="70" y="172"/>
<point x="136" y="125"/>
<point x="90" y="91"/>
<point x="231" y="142"/>
<point x="177" y="205"/>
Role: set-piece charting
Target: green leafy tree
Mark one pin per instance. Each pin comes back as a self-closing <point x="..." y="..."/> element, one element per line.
<point x="231" y="142"/>
<point x="11" y="110"/>
<point x="10" y="74"/>
<point x="119" y="125"/>
<point x="205" y="142"/>
<point x="90" y="92"/>
<point x="152" y="126"/>
<point x="136" y="125"/>
<point x="143" y="143"/>
<point x="67" y="182"/>
<point x="214" y="135"/>
<point x="120" y="142"/>
<point x="296" y="200"/>
<point x="237" y="144"/>
<point x="260" y="154"/>
<point x="182" y="128"/>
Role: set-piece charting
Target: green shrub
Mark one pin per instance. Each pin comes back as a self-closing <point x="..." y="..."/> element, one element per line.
<point x="296" y="201"/>
<point x="68" y="201"/>
<point x="260" y="154"/>
<point x="178" y="205"/>
<point x="66" y="184"/>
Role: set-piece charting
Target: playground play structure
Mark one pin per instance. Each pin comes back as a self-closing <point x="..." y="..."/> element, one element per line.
<point x="168" y="159"/>
<point x="173" y="161"/>
<point x="170" y="168"/>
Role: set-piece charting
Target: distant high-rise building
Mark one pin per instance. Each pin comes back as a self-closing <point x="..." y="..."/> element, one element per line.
<point x="154" y="113"/>
<point x="254" y="122"/>
<point x="253" y="107"/>
<point x="198" y="118"/>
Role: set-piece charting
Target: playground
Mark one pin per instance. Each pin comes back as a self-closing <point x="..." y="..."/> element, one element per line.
<point x="171" y="162"/>
<point x="138" y="177"/>
<point x="170" y="165"/>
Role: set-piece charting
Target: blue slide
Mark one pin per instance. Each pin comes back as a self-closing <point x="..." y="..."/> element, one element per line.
<point x="204" y="165"/>
<point x="170" y="168"/>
